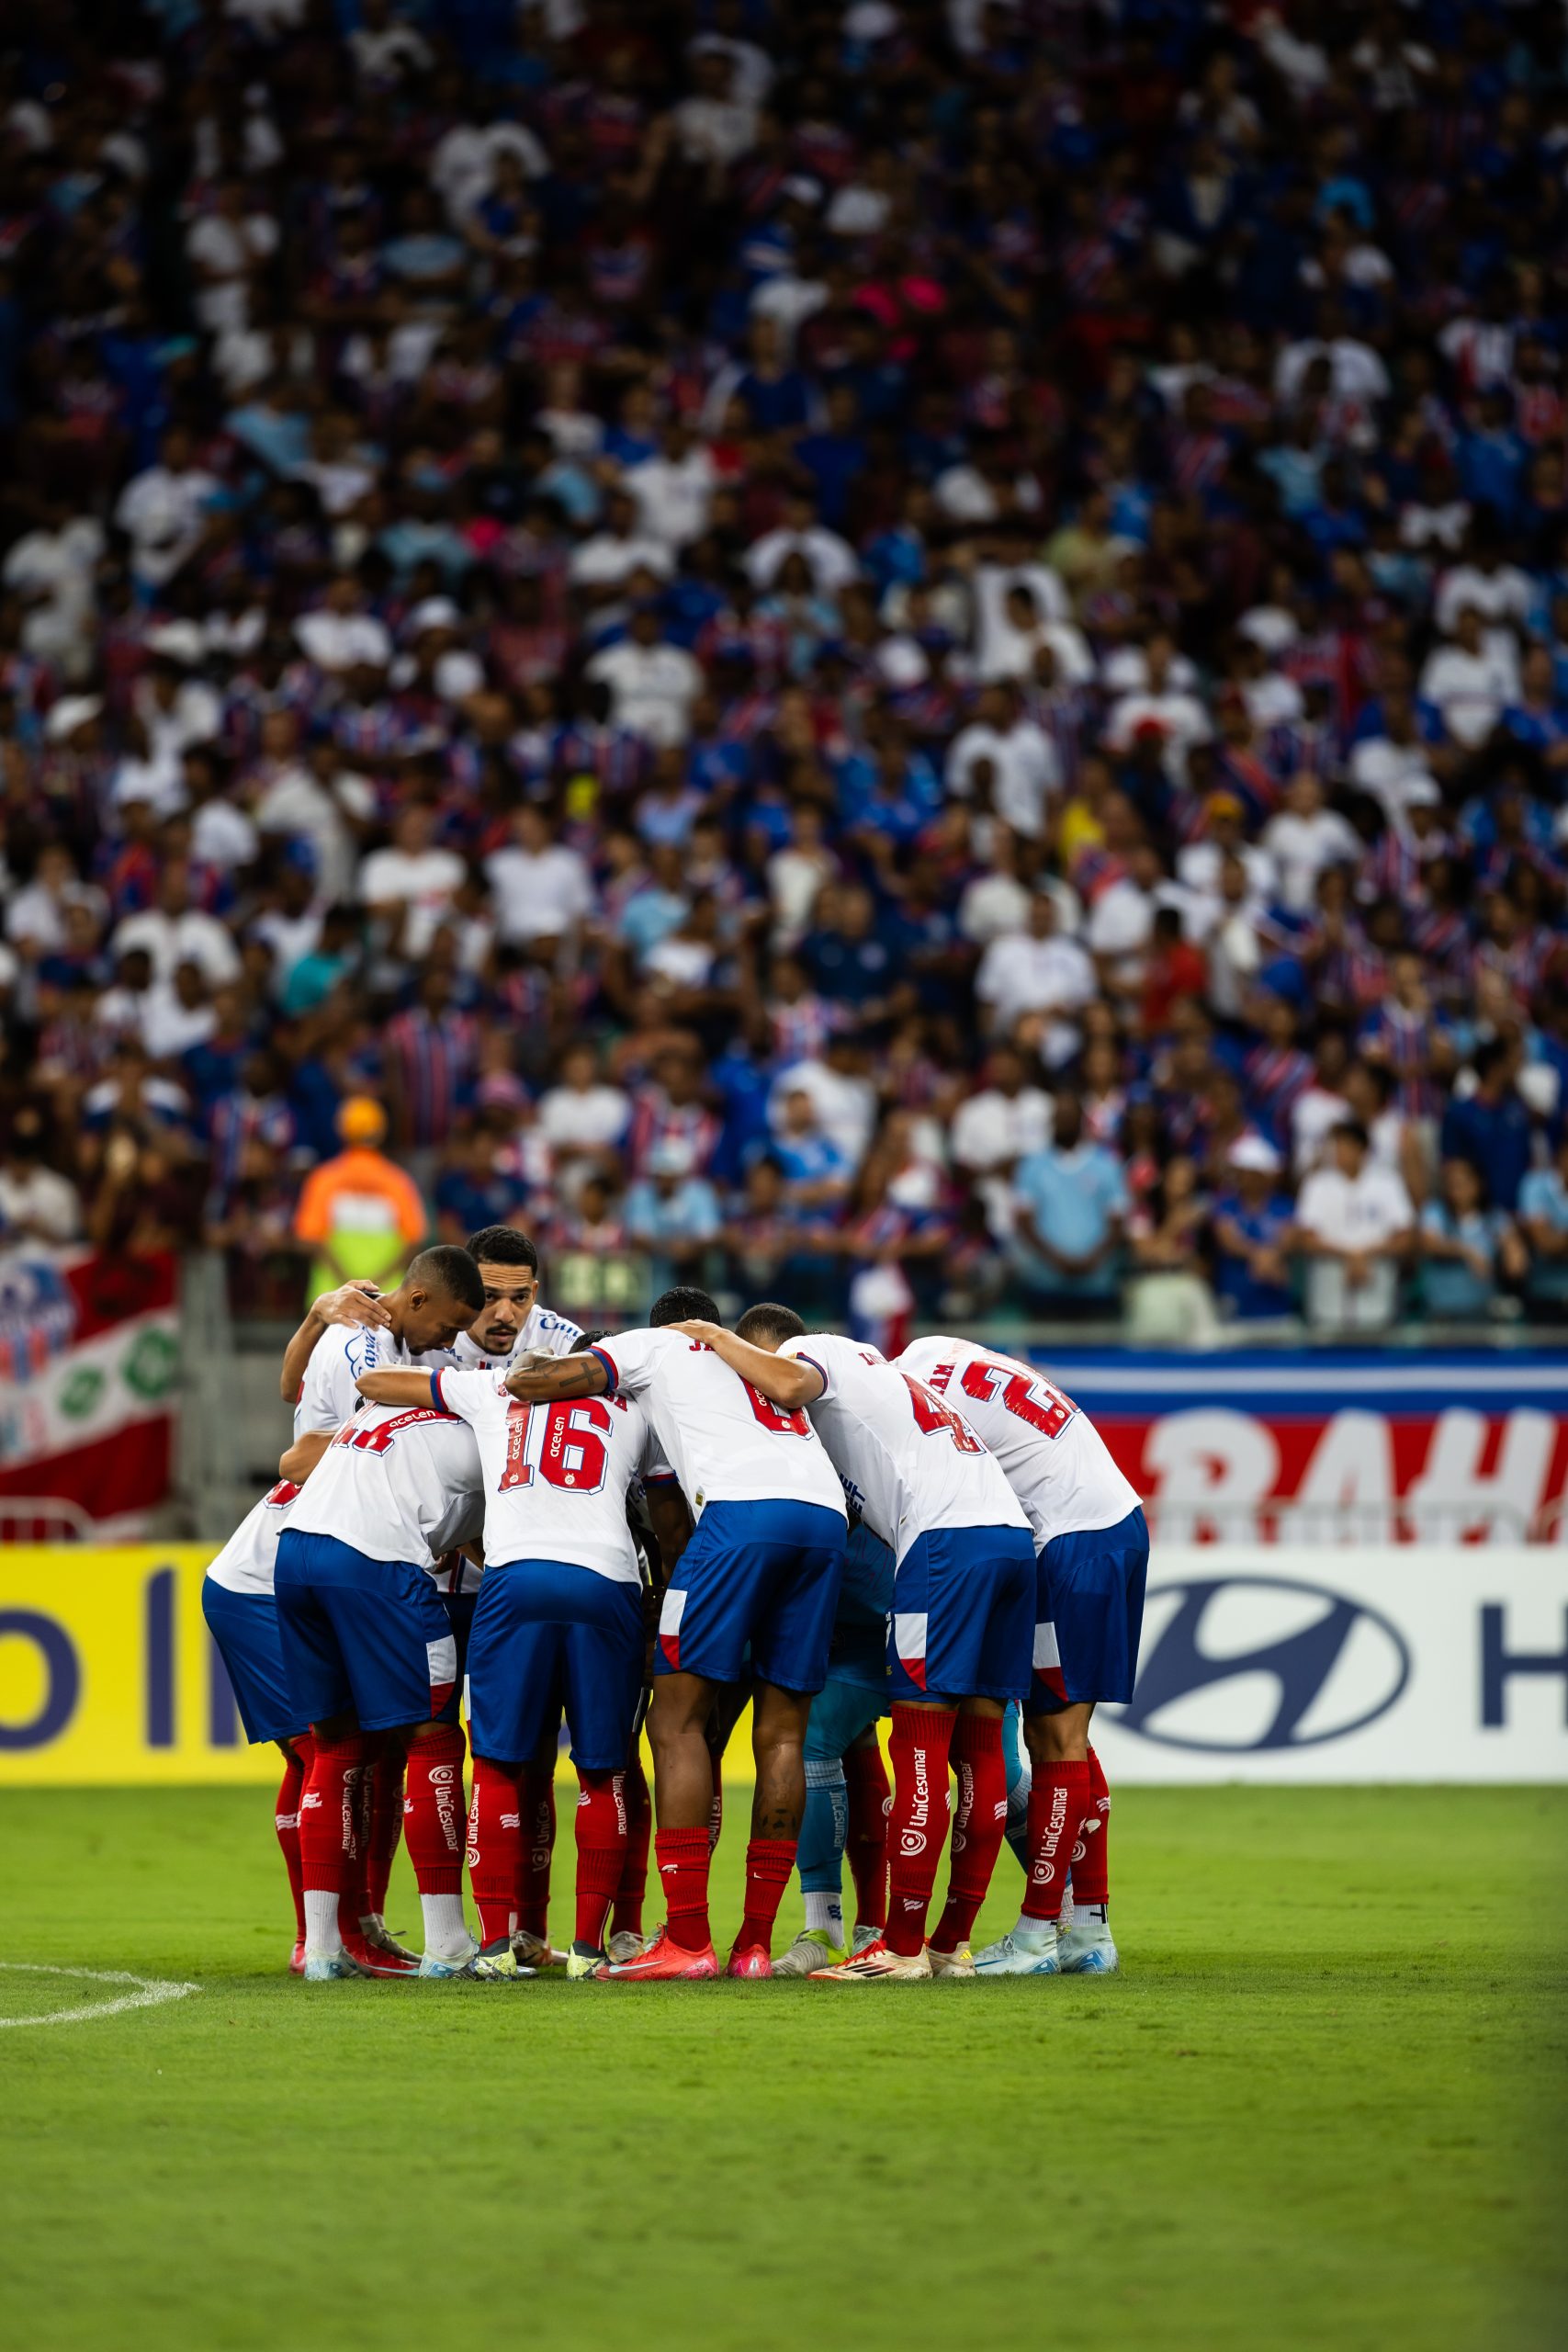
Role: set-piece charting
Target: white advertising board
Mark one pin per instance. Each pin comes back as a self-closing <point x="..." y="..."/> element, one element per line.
<point x="1285" y="1664"/>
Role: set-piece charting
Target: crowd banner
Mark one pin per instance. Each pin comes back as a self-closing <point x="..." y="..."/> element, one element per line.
<point x="1271" y="1663"/>
<point x="89" y="1374"/>
<point x="1336" y="1446"/>
<point x="1260" y="1663"/>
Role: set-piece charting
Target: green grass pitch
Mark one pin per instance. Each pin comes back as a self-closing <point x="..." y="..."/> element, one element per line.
<point x="1324" y="2105"/>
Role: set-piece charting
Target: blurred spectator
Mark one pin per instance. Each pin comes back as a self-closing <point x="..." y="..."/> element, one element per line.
<point x="1354" y="1219"/>
<point x="1543" y="1219"/>
<point x="1069" y="1216"/>
<point x="40" y="1209"/>
<point x="359" y="1211"/>
<point x="1254" y="1224"/>
<point x="1464" y="1245"/>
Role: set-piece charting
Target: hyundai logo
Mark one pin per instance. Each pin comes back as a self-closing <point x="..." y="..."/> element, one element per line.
<point x="1249" y="1664"/>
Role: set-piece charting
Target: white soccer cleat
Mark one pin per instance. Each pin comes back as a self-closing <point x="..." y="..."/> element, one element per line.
<point x="877" y="1965"/>
<point x="862" y="1939"/>
<point x="500" y="1965"/>
<point x="1011" y="1958"/>
<point x="1085" y="1947"/>
<point x="329" y="1967"/>
<point x="812" y="1948"/>
<point x="624" y="1945"/>
<point x="434" y="1966"/>
<point x="959" y="1962"/>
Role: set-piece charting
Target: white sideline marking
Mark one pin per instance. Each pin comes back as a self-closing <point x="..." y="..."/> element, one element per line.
<point x="151" y="1992"/>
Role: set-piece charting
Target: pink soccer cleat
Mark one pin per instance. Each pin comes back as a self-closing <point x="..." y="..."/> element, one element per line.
<point x="297" y="1958"/>
<point x="661" y="1962"/>
<point x="752" y="1961"/>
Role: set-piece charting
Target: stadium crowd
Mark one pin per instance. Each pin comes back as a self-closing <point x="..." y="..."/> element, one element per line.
<point x="908" y="653"/>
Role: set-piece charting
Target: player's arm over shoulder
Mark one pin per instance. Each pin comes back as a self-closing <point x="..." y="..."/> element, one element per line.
<point x="782" y="1378"/>
<point x="563" y="1377"/>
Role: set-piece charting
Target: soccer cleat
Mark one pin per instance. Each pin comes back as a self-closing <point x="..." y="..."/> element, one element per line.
<point x="877" y="1965"/>
<point x="625" y="1944"/>
<point x="583" y="1963"/>
<point x="381" y="1939"/>
<point x="434" y="1966"/>
<point x="330" y="1967"/>
<point x="534" y="1952"/>
<point x="863" y="1939"/>
<point x="297" y="1958"/>
<point x="372" y="1960"/>
<point x="1011" y="1958"/>
<point x="1085" y="1949"/>
<point x="959" y="1962"/>
<point x="752" y="1961"/>
<point x="496" y="1964"/>
<point x="661" y="1961"/>
<point x="810" y="1949"/>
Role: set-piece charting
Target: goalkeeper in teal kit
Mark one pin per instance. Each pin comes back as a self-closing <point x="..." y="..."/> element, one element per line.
<point x="846" y="1780"/>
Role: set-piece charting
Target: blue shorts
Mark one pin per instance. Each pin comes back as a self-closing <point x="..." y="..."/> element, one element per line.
<point x="547" y="1636"/>
<point x="370" y="1634"/>
<point x="244" y="1628"/>
<point x="763" y="1573"/>
<point x="840" y="1713"/>
<point x="1089" y="1615"/>
<point x="963" y="1615"/>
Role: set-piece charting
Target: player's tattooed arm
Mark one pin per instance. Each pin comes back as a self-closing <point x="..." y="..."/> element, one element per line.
<point x="355" y="1303"/>
<point x="787" y="1380"/>
<point x="394" y="1387"/>
<point x="558" y="1379"/>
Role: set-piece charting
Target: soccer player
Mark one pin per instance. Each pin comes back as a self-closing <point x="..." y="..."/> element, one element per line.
<point x="757" y="1549"/>
<point x="241" y="1609"/>
<point x="321" y="1377"/>
<point x="1093" y="1554"/>
<point x="962" y="1621"/>
<point x="847" y="1791"/>
<point x="367" y="1645"/>
<point x="559" y="1623"/>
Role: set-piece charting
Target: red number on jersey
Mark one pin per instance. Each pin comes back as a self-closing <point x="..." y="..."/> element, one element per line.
<point x="278" y="1498"/>
<point x="774" y="1417"/>
<point x="1034" y="1401"/>
<point x="933" y="1416"/>
<point x="573" y="1454"/>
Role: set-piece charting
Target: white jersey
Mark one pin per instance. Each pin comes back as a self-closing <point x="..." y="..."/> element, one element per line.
<point x="543" y="1334"/>
<point x="725" y="1443"/>
<point x="248" y="1561"/>
<point x="555" y="1476"/>
<point x="907" y="1460"/>
<point x="328" y="1396"/>
<point x="397" y="1482"/>
<point x="1056" y="1462"/>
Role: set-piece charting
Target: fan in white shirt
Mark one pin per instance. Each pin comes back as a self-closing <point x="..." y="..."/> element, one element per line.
<point x="673" y="491"/>
<point x="1472" y="680"/>
<point x="412" y="881"/>
<point x="654" y="684"/>
<point x="1025" y="768"/>
<point x="1033" y="971"/>
<point x="164" y="509"/>
<point x="1303" y="838"/>
<point x="541" y="889"/>
<point x="1355" y="1219"/>
<point x="176" y="933"/>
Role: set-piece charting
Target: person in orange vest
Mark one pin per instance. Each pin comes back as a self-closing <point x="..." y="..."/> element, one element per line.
<point x="360" y="1212"/>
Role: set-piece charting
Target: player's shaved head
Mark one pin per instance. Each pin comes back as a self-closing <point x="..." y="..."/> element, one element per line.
<point x="768" y="1324"/>
<point x="683" y="1304"/>
<point x="446" y="1272"/>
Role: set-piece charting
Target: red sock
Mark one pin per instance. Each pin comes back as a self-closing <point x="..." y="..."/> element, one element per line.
<point x="285" y="1821"/>
<point x="353" y="1902"/>
<point x="537" y="1793"/>
<point x="866" y="1845"/>
<point x="328" y="1826"/>
<point x="434" y="1810"/>
<point x="979" y="1819"/>
<point x="386" y="1824"/>
<point x="1058" y="1800"/>
<point x="684" y="1874"/>
<point x="601" y="1850"/>
<point x="626" y="1917"/>
<point x="769" y="1862"/>
<point x="916" y="1827"/>
<point x="716" y="1810"/>
<point x="494" y="1818"/>
<point x="1091" y="1860"/>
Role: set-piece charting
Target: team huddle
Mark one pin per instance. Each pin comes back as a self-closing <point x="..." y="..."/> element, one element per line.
<point x="485" y="1510"/>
